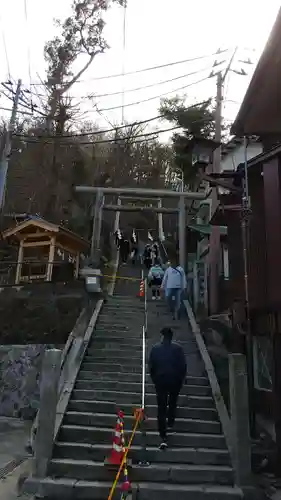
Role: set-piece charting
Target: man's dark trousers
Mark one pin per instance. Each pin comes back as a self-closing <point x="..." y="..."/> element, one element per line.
<point x="167" y="397"/>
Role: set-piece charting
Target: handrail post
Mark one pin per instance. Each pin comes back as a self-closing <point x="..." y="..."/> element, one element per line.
<point x="47" y="413"/>
<point x="239" y="403"/>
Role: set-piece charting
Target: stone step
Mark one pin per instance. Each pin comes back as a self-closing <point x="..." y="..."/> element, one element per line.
<point x="121" y="319"/>
<point x="112" y="385"/>
<point x="199" y="456"/>
<point x="95" y="351"/>
<point x="134" y="398"/>
<point x="116" y="351"/>
<point x="125" y="306"/>
<point x="102" y="342"/>
<point x="121" y="327"/>
<point x="65" y="488"/>
<point x="97" y="368"/>
<point x="134" y="324"/>
<point x="162" y="473"/>
<point x="96" y="435"/>
<point x="107" y="340"/>
<point x="128" y="368"/>
<point x="88" y="375"/>
<point x="151" y="411"/>
<point x="120" y="314"/>
<point x="115" y="331"/>
<point x="107" y="357"/>
<point x="56" y="489"/>
<point x="108" y="367"/>
<point x="135" y="377"/>
<point x="107" y="420"/>
<point x="123" y="299"/>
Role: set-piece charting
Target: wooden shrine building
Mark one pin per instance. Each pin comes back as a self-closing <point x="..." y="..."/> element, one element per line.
<point x="45" y="251"/>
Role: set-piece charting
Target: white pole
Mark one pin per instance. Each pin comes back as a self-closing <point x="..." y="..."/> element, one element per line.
<point x="182" y="226"/>
<point x="145" y="303"/>
<point x="143" y="368"/>
<point x="160" y="222"/>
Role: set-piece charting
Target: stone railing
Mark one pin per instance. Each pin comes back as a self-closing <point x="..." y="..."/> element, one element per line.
<point x="73" y="353"/>
<point x="235" y="423"/>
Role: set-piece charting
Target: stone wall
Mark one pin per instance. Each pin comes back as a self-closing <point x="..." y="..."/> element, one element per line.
<point x="20" y="368"/>
<point x="39" y="315"/>
<point x="32" y="319"/>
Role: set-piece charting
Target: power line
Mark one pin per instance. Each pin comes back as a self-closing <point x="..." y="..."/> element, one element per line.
<point x="161" y="82"/>
<point x="134" y="72"/>
<point x="104" y="131"/>
<point x="113" y="129"/>
<point x="109" y="141"/>
<point x="159" y="66"/>
<point x="157" y="96"/>
<point x="114" y="140"/>
<point x="22" y="103"/>
<point x="143" y="87"/>
<point x="21" y="112"/>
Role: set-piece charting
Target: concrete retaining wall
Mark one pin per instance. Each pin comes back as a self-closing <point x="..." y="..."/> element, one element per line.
<point x="20" y="367"/>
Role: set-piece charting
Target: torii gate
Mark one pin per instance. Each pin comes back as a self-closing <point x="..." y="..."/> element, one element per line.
<point x="140" y="193"/>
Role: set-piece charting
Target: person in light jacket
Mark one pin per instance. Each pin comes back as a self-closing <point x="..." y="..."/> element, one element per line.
<point x="155" y="277"/>
<point x="173" y="284"/>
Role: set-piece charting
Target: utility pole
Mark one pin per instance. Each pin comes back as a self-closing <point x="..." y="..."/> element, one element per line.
<point x="4" y="165"/>
<point x="218" y="119"/>
<point x="182" y="225"/>
<point x="215" y="233"/>
<point x="245" y="222"/>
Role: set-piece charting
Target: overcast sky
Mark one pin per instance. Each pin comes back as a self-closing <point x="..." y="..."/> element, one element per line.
<point x="157" y="32"/>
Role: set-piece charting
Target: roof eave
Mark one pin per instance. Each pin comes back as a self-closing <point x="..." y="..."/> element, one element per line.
<point x="239" y="127"/>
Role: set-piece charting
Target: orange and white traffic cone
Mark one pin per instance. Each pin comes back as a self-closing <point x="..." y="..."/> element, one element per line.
<point x="118" y="448"/>
<point x="141" y="291"/>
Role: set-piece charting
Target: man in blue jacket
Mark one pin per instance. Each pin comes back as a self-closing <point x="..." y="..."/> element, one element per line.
<point x="167" y="367"/>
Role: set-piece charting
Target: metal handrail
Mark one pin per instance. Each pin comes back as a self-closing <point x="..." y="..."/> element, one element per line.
<point x="144" y="332"/>
<point x="143" y="368"/>
<point x="145" y="304"/>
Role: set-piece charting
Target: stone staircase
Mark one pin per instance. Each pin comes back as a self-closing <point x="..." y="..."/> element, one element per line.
<point x="196" y="464"/>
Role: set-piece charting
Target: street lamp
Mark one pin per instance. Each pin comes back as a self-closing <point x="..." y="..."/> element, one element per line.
<point x="92" y="279"/>
<point x="202" y="150"/>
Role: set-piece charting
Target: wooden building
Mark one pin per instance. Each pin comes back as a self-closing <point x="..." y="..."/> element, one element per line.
<point x="46" y="251"/>
<point x="260" y="115"/>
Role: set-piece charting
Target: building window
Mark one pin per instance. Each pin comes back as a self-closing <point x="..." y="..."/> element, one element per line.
<point x="225" y="262"/>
